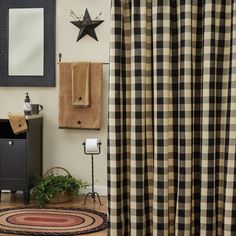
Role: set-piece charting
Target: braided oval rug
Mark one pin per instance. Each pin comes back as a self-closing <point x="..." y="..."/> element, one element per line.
<point x="51" y="221"/>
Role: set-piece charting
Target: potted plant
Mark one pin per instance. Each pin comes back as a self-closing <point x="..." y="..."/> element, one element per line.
<point x="56" y="187"/>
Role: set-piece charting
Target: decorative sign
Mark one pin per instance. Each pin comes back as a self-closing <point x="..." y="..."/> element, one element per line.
<point x="88" y="37"/>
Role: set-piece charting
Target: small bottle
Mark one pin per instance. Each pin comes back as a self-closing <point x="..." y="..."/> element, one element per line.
<point x="27" y="106"/>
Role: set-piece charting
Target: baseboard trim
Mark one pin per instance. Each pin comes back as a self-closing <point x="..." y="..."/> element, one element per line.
<point x="101" y="190"/>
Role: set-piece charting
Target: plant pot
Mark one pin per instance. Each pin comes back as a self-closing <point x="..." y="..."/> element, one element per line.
<point x="62" y="197"/>
<point x="57" y="181"/>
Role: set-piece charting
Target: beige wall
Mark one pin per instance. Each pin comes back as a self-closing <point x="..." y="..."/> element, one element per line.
<point x="63" y="147"/>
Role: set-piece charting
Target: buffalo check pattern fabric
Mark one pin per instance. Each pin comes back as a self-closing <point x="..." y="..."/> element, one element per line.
<point x="172" y="118"/>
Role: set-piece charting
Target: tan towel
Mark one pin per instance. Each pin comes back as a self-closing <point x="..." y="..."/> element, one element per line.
<point x="18" y="123"/>
<point x="80" y="84"/>
<point x="76" y="117"/>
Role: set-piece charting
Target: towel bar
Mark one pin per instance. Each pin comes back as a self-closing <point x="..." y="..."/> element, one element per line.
<point x="60" y="57"/>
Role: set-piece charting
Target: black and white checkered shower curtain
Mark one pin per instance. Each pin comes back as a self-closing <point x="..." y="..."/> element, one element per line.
<point x="172" y="118"/>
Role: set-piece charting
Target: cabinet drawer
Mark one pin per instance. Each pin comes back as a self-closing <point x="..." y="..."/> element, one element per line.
<point x="13" y="158"/>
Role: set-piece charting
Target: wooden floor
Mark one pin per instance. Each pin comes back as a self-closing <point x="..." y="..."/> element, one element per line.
<point x="16" y="200"/>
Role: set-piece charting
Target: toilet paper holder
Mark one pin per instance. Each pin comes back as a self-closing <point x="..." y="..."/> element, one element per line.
<point x="93" y="193"/>
<point x="94" y="153"/>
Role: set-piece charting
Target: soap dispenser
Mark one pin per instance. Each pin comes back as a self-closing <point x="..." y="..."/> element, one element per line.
<point x="27" y="105"/>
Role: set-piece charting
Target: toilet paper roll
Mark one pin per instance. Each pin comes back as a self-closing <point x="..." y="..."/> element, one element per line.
<point x="91" y="145"/>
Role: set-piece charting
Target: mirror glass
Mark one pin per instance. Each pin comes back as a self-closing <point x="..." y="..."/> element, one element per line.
<point x="26" y="42"/>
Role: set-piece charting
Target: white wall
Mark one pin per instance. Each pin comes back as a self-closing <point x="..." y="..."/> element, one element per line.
<point x="63" y="147"/>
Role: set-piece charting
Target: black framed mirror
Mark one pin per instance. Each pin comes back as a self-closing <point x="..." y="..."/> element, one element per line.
<point x="27" y="43"/>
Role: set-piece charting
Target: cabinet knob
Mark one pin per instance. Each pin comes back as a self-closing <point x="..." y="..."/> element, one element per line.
<point x="10" y="142"/>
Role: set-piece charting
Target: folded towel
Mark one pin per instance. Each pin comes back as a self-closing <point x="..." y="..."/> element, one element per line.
<point x="80" y="84"/>
<point x="18" y="123"/>
<point x="76" y="117"/>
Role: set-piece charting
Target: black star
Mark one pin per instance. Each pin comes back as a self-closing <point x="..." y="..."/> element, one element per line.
<point x="87" y="26"/>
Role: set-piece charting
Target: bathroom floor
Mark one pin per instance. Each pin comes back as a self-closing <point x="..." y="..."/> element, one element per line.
<point x="15" y="200"/>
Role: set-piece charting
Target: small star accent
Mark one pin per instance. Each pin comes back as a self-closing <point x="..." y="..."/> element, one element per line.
<point x="80" y="98"/>
<point x="79" y="122"/>
<point x="87" y="26"/>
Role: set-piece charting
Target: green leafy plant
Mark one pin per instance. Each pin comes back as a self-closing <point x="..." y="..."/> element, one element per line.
<point x="49" y="186"/>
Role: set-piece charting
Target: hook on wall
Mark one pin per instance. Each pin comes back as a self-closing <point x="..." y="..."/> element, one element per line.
<point x="60" y="56"/>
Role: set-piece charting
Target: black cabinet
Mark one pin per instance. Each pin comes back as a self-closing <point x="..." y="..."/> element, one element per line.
<point x="20" y="156"/>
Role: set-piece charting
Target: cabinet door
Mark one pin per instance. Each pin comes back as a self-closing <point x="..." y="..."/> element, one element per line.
<point x="13" y="159"/>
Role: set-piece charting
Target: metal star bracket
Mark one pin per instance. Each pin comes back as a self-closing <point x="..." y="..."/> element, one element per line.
<point x="86" y="26"/>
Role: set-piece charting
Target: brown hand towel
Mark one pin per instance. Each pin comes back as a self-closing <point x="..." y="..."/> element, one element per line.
<point x="18" y="123"/>
<point x="80" y="84"/>
<point x="76" y="117"/>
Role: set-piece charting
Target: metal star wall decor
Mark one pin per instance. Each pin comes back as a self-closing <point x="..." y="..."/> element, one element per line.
<point x="87" y="25"/>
